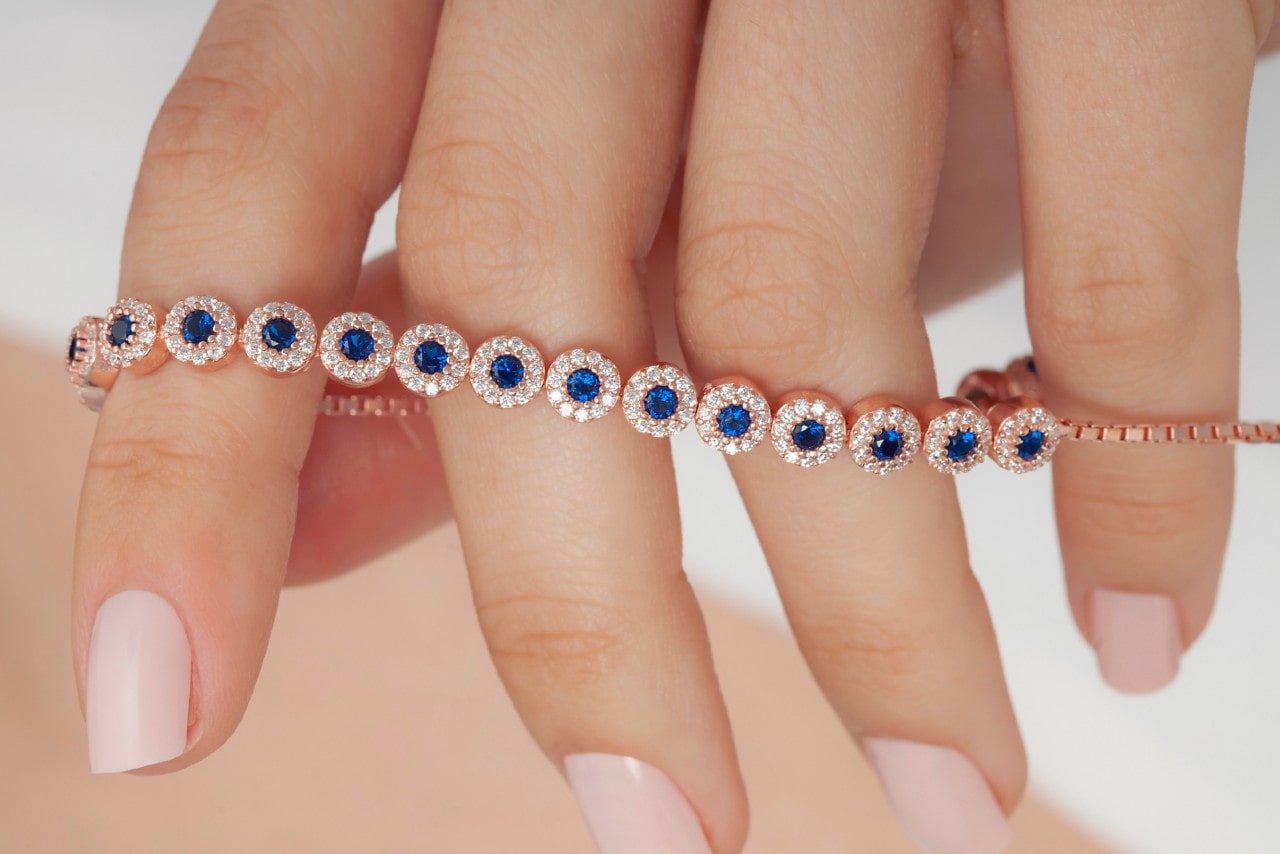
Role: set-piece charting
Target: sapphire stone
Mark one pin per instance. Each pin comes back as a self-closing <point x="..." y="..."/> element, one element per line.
<point x="431" y="357"/>
<point x="1031" y="366"/>
<point x="279" y="333"/>
<point x="507" y="371"/>
<point x="73" y="350"/>
<point x="197" y="326"/>
<point x="808" y="435"/>
<point x="1030" y="444"/>
<point x="887" y="444"/>
<point x="961" y="445"/>
<point x="121" y="329"/>
<point x="356" y="344"/>
<point x="661" y="403"/>
<point x="583" y="385"/>
<point x="733" y="420"/>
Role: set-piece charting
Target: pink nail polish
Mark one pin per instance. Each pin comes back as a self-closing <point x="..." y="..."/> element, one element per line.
<point x="632" y="808"/>
<point x="138" y="683"/>
<point x="945" y="804"/>
<point x="1138" y="639"/>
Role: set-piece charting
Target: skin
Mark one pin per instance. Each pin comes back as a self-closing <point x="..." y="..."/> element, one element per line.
<point x="828" y="191"/>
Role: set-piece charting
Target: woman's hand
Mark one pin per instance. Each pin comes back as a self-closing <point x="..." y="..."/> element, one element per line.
<point x="537" y="146"/>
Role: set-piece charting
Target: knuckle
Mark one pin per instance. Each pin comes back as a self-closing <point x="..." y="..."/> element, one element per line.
<point x="222" y="112"/>
<point x="884" y="652"/>
<point x="479" y="206"/>
<point x="1141" y="506"/>
<point x="1120" y="311"/>
<point x="763" y="289"/>
<point x="566" y="641"/>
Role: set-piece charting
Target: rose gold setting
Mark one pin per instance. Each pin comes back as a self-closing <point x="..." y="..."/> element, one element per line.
<point x="1022" y="378"/>
<point x="558" y="392"/>
<point x="870" y="417"/>
<point x="646" y="380"/>
<point x="208" y="353"/>
<point x="90" y="376"/>
<point x="455" y="369"/>
<point x="356" y="373"/>
<point x="483" y="383"/>
<point x="726" y="392"/>
<point x="794" y="411"/>
<point x="138" y="350"/>
<point x="1014" y="419"/>
<point x="949" y="417"/>
<point x="291" y="359"/>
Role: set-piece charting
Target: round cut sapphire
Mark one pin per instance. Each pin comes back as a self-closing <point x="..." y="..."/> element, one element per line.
<point x="961" y="445"/>
<point x="197" y="326"/>
<point x="661" y="403"/>
<point x="507" y="371"/>
<point x="121" y="329"/>
<point x="887" y="444"/>
<point x="808" y="435"/>
<point x="583" y="385"/>
<point x="431" y="357"/>
<point x="1030" y="444"/>
<point x="733" y="420"/>
<point x="279" y="333"/>
<point x="356" y="344"/>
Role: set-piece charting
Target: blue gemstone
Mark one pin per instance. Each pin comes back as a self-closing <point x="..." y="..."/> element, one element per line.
<point x="1031" y="366"/>
<point x="661" y="403"/>
<point x="279" y="333"/>
<point x="583" y="385"/>
<point x="507" y="371"/>
<point x="121" y="329"/>
<point x="431" y="357"/>
<point x="808" y="435"/>
<point x="1030" y="444"/>
<point x="73" y="350"/>
<point x="356" y="344"/>
<point x="733" y="420"/>
<point x="961" y="445"/>
<point x="886" y="445"/>
<point x="197" y="326"/>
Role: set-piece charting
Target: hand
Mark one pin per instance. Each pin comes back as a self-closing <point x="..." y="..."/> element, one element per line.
<point x="546" y="143"/>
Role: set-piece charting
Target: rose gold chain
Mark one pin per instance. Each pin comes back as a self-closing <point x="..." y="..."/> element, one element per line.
<point x="372" y="405"/>
<point x="1204" y="434"/>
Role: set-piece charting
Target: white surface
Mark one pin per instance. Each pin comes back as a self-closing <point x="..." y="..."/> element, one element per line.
<point x="1194" y="769"/>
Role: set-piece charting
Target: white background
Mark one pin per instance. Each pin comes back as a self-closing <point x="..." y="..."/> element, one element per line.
<point x="1195" y="768"/>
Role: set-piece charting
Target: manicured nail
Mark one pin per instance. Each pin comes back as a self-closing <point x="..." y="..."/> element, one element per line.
<point x="1137" y="638"/>
<point x="139" y="683"/>
<point x="943" y="801"/>
<point x="632" y="808"/>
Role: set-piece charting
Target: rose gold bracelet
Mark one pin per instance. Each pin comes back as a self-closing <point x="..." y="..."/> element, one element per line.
<point x="995" y="414"/>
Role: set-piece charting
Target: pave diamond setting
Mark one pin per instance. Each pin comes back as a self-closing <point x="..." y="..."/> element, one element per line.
<point x="507" y="371"/>
<point x="200" y="330"/>
<point x="279" y="337"/>
<point x="128" y="333"/>
<point x="957" y="440"/>
<point x="659" y="400"/>
<point x="885" y="440"/>
<point x="732" y="416"/>
<point x="808" y="430"/>
<point x="431" y="359"/>
<point x="583" y="385"/>
<point x="1025" y="439"/>
<point x="356" y="348"/>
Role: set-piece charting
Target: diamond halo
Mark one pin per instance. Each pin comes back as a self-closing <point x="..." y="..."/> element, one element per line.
<point x="958" y="421"/>
<point x="356" y="348"/>
<point x="139" y="321"/>
<point x="732" y="416"/>
<point x="527" y="364"/>
<point x="659" y="400"/>
<point x="289" y="359"/>
<point x="218" y="342"/>
<point x="885" y="440"/>
<point x="583" y="385"/>
<point x="415" y="377"/>
<point x="808" y="430"/>
<point x="1026" y="438"/>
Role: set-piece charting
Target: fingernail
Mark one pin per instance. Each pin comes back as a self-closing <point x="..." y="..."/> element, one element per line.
<point x="1137" y="638"/>
<point x="943" y="801"/>
<point x="138" y="684"/>
<point x="632" y="808"/>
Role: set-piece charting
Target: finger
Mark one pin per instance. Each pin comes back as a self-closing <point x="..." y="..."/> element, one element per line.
<point x="1131" y="137"/>
<point x="534" y="189"/>
<point x="258" y="183"/>
<point x="809" y="186"/>
<point x="368" y="484"/>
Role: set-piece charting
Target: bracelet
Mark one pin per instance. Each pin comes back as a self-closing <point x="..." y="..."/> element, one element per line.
<point x="994" y="414"/>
